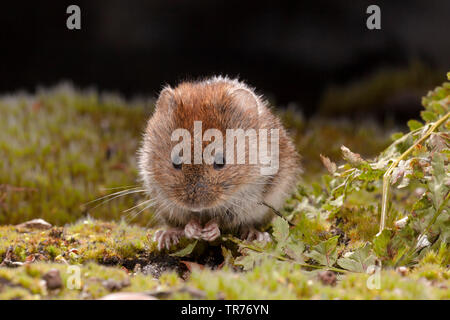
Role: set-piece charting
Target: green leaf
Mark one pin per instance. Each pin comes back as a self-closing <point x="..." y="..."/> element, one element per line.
<point x="295" y="250"/>
<point x="325" y="252"/>
<point x="397" y="135"/>
<point x="359" y="260"/>
<point x="438" y="108"/>
<point x="414" y="125"/>
<point x="403" y="145"/>
<point x="185" y="251"/>
<point x="437" y="186"/>
<point x="400" y="253"/>
<point x="380" y="243"/>
<point x="227" y="256"/>
<point x="428" y="116"/>
<point x="248" y="260"/>
<point x="280" y="230"/>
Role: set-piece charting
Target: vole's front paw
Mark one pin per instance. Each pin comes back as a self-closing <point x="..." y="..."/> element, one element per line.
<point x="211" y="231"/>
<point x="166" y="238"/>
<point x="251" y="234"/>
<point x="193" y="230"/>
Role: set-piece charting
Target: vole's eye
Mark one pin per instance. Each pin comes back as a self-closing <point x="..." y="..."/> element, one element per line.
<point x="177" y="165"/>
<point x="219" y="161"/>
<point x="176" y="162"/>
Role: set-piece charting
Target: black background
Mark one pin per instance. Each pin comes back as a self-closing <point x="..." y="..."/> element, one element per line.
<point x="291" y="51"/>
<point x="277" y="309"/>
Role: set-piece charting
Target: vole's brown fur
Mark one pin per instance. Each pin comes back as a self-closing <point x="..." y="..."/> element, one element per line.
<point x="198" y="194"/>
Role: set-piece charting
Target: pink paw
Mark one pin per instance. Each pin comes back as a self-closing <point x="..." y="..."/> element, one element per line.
<point x="193" y="230"/>
<point x="167" y="238"/>
<point x="211" y="231"/>
<point x="251" y="234"/>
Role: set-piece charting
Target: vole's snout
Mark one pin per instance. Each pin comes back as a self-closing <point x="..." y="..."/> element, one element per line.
<point x="199" y="187"/>
<point x="198" y="195"/>
<point x="196" y="189"/>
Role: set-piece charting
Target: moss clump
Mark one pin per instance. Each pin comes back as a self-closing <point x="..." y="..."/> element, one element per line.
<point x="61" y="149"/>
<point x="95" y="281"/>
<point x="286" y="281"/>
<point x="113" y="258"/>
<point x="86" y="240"/>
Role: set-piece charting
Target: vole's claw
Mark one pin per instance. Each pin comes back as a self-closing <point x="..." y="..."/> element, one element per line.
<point x="251" y="234"/>
<point x="166" y="238"/>
<point x="193" y="230"/>
<point x="265" y="237"/>
<point x="211" y="231"/>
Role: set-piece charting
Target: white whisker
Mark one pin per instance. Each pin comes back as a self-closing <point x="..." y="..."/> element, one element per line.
<point x="117" y="196"/>
<point x="113" y="194"/>
<point x="138" y="205"/>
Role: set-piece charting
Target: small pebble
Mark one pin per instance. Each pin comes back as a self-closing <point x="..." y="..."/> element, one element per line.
<point x="35" y="224"/>
<point x="128" y="296"/>
<point x="327" y="278"/>
<point x="53" y="279"/>
<point x="403" y="271"/>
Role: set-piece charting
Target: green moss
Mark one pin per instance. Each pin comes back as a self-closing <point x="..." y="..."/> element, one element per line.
<point x="286" y="281"/>
<point x="270" y="279"/>
<point x="86" y="240"/>
<point x="61" y="149"/>
<point x="26" y="282"/>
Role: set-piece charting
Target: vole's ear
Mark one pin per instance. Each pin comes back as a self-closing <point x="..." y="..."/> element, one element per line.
<point x="166" y="99"/>
<point x="245" y="99"/>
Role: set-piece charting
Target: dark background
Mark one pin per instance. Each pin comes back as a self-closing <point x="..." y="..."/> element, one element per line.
<point x="290" y="51"/>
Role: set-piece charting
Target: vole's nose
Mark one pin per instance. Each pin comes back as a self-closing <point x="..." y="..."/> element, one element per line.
<point x="199" y="187"/>
<point x="196" y="189"/>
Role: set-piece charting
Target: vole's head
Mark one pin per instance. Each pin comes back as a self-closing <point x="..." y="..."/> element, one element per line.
<point x="169" y="158"/>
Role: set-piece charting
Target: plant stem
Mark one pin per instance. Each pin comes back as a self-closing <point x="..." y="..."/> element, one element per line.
<point x="387" y="175"/>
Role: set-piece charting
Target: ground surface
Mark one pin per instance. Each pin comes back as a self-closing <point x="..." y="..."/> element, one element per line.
<point x="62" y="149"/>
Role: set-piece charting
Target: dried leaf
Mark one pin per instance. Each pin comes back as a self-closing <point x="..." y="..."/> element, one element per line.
<point x="400" y="174"/>
<point x="35" y="224"/>
<point x="401" y="223"/>
<point x="338" y="202"/>
<point x="193" y="265"/>
<point x="330" y="165"/>
<point x="422" y="242"/>
<point x="353" y="158"/>
<point x="439" y="142"/>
